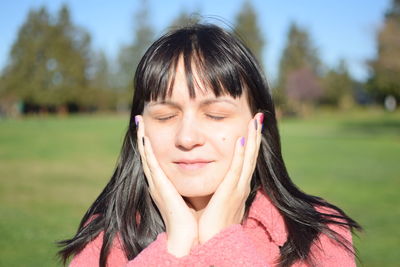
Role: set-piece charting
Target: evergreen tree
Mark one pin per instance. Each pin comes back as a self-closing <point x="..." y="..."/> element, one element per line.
<point x="298" y="55"/>
<point x="70" y="49"/>
<point x="48" y="61"/>
<point x="394" y="11"/>
<point x="385" y="68"/>
<point x="130" y="55"/>
<point x="101" y="71"/>
<point x="246" y="26"/>
<point x="26" y="72"/>
<point x="338" y="86"/>
<point x="101" y="84"/>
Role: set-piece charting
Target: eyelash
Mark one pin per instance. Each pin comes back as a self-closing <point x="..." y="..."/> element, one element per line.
<point x="216" y="118"/>
<point x="166" y="118"/>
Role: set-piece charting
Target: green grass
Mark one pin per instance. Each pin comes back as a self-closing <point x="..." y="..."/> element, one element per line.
<point x="52" y="168"/>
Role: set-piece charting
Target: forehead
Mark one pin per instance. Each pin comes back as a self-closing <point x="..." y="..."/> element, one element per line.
<point x="180" y="98"/>
<point x="203" y="95"/>
<point x="179" y="86"/>
<point x="181" y="80"/>
<point x="198" y="88"/>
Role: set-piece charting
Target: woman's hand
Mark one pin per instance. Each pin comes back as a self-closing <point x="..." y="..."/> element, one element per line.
<point x="227" y="205"/>
<point x="180" y="221"/>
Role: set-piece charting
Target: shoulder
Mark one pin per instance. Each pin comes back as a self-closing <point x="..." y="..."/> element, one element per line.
<point x="325" y="249"/>
<point x="90" y="255"/>
<point x="268" y="216"/>
<point x="330" y="252"/>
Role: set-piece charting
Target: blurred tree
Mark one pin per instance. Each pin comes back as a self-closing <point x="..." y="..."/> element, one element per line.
<point x="299" y="56"/>
<point x="338" y="87"/>
<point x="303" y="89"/>
<point x="26" y="70"/>
<point x="48" y="62"/>
<point x="130" y="55"/>
<point x="100" y="82"/>
<point x="247" y="28"/>
<point x="101" y="71"/>
<point x="384" y="80"/>
<point x="69" y="46"/>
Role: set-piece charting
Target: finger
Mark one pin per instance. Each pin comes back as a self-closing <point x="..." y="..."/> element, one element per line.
<point x="155" y="175"/>
<point x="250" y="153"/>
<point x="140" y="135"/>
<point x="160" y="180"/>
<point x="260" y="119"/>
<point x="163" y="187"/>
<point x="235" y="169"/>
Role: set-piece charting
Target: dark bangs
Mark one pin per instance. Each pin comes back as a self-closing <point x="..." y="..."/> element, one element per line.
<point x="214" y="55"/>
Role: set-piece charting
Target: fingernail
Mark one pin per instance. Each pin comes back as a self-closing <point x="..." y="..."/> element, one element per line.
<point x="143" y="140"/>
<point x="136" y="121"/>
<point x="261" y="118"/>
<point x="242" y="141"/>
<point x="255" y="124"/>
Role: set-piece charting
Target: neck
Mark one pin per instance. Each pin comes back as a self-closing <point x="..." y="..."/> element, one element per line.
<point x="198" y="203"/>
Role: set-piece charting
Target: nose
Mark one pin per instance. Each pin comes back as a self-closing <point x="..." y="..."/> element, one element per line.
<point x="189" y="134"/>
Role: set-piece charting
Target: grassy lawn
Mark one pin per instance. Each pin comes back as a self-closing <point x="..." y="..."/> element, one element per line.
<point x="52" y="168"/>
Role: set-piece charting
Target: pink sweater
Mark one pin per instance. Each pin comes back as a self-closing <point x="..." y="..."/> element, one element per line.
<point x="255" y="243"/>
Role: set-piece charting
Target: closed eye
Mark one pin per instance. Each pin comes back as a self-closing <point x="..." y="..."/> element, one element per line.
<point x="217" y="118"/>
<point x="165" y="118"/>
<point x="213" y="117"/>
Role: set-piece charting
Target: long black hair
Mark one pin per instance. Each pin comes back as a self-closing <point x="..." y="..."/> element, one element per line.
<point x="226" y="67"/>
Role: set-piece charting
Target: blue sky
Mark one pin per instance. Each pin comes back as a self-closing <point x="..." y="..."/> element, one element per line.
<point x="339" y="29"/>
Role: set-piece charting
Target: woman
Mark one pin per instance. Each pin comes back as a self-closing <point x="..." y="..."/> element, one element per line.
<point x="201" y="180"/>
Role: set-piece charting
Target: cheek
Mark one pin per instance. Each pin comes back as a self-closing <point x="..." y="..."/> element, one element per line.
<point x="226" y="139"/>
<point x="160" y="141"/>
<point x="231" y="132"/>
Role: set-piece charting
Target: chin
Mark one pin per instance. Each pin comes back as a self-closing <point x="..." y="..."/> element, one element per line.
<point x="195" y="193"/>
<point x="190" y="191"/>
<point x="196" y="187"/>
<point x="195" y="183"/>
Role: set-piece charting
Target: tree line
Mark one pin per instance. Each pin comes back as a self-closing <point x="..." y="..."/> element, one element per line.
<point x="52" y="67"/>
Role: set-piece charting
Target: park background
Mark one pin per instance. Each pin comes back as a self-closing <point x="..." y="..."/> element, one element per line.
<point x="66" y="85"/>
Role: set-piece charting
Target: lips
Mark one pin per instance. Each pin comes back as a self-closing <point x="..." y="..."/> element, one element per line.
<point x="187" y="164"/>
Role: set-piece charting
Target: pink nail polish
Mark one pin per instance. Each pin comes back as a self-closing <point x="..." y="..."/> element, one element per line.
<point x="261" y="118"/>
<point x="242" y="141"/>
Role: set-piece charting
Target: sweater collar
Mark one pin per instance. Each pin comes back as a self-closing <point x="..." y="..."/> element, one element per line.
<point x="263" y="210"/>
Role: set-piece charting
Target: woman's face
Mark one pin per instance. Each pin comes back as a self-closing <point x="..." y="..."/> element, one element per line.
<point x="193" y="139"/>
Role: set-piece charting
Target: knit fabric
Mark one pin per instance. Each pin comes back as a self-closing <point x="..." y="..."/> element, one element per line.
<point x="255" y="243"/>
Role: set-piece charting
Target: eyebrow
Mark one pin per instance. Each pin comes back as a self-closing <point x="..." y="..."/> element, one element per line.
<point x="205" y="102"/>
